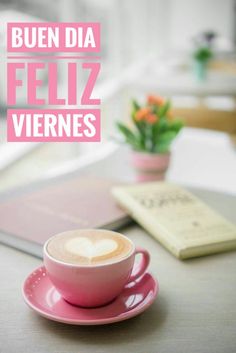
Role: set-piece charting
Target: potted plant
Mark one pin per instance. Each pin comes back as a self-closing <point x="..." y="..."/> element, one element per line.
<point x="203" y="53"/>
<point x="151" y="136"/>
<point x="201" y="56"/>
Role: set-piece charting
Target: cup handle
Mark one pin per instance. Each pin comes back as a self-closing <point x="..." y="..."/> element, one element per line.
<point x="140" y="268"/>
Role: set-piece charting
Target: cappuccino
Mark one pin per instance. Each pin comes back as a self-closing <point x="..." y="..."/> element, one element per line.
<point x="89" y="247"/>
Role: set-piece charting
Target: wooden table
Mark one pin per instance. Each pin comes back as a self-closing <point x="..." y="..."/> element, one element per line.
<point x="195" y="311"/>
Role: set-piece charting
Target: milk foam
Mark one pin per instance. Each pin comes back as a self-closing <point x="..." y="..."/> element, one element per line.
<point x="87" y="248"/>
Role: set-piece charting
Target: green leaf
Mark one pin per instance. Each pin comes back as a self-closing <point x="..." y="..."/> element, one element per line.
<point x="163" y="125"/>
<point x="155" y="134"/>
<point x="164" y="140"/>
<point x="126" y="131"/>
<point x="155" y="110"/>
<point x="141" y="127"/>
<point x="130" y="137"/>
<point x="135" y="105"/>
<point x="162" y="111"/>
<point x="176" y="125"/>
<point x="135" y="108"/>
<point x="162" y="148"/>
<point x="203" y="54"/>
<point x="167" y="136"/>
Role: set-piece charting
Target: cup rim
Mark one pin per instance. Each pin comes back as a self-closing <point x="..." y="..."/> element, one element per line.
<point x="46" y="253"/>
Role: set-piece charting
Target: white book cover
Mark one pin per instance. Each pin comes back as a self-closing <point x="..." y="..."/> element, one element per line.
<point x="184" y="224"/>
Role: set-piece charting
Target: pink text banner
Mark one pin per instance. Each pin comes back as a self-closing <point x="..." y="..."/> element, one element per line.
<point x="53" y="125"/>
<point x="53" y="37"/>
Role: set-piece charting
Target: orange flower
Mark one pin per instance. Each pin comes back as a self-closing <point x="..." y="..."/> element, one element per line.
<point x="155" y="100"/>
<point x="142" y="113"/>
<point x="151" y="119"/>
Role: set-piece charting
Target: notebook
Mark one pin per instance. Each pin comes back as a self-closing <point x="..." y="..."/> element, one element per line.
<point x="180" y="221"/>
<point x="28" y="217"/>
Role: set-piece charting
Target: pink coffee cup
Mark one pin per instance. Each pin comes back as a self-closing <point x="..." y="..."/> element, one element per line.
<point x="97" y="285"/>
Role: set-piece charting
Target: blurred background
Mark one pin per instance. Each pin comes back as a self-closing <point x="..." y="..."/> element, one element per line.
<point x="184" y="50"/>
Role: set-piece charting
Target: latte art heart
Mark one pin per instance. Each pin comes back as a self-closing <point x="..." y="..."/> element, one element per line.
<point x="85" y="247"/>
<point x="89" y="247"/>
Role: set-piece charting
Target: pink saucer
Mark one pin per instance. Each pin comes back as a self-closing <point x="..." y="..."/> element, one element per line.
<point x="40" y="294"/>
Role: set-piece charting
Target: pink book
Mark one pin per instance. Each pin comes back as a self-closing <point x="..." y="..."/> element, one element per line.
<point x="30" y="216"/>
